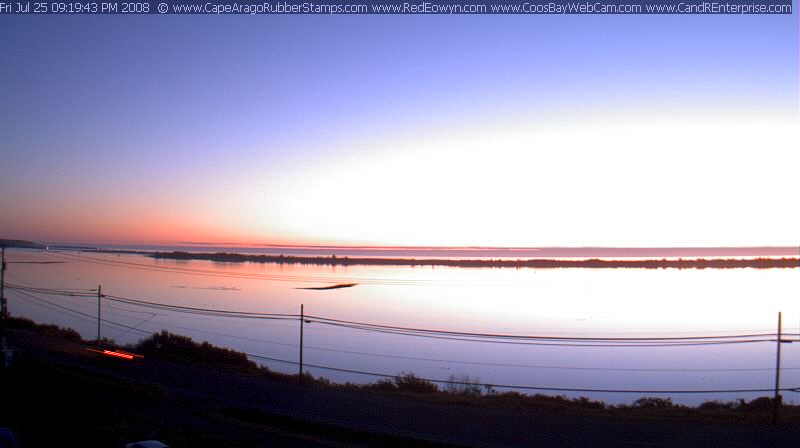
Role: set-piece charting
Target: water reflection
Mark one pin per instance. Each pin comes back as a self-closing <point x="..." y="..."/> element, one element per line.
<point x="576" y="302"/>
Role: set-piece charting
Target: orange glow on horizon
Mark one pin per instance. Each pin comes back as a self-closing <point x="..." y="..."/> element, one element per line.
<point x="627" y="184"/>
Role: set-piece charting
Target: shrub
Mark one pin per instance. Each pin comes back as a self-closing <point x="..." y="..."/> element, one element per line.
<point x="165" y="345"/>
<point x="653" y="403"/>
<point x="463" y="385"/>
<point x="384" y="385"/>
<point x="509" y="398"/>
<point x="408" y="382"/>
<point x="715" y="405"/>
<point x="585" y="402"/>
<point x="46" y="329"/>
<point x="759" y="404"/>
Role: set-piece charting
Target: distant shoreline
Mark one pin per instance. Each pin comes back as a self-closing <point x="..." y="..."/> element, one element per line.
<point x="594" y="263"/>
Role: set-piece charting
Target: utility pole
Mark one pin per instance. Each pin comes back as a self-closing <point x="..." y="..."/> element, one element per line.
<point x="3" y="283"/>
<point x="3" y="308"/>
<point x="302" y="320"/>
<point x="776" y="401"/>
<point x="99" y="295"/>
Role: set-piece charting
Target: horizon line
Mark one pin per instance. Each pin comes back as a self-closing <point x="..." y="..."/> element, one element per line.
<point x="322" y="246"/>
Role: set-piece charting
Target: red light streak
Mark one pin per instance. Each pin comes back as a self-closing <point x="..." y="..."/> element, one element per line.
<point x="116" y="354"/>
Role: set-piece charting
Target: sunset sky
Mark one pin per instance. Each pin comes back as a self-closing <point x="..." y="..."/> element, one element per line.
<point x="400" y="130"/>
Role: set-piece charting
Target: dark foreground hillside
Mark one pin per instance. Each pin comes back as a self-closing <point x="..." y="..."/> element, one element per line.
<point x="57" y="393"/>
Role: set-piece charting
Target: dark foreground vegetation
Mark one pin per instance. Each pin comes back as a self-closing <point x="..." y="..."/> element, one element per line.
<point x="689" y="263"/>
<point x="197" y="394"/>
<point x="57" y="392"/>
<point x="167" y="346"/>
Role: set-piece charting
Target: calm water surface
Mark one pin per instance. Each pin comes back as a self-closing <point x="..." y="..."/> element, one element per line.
<point x="563" y="302"/>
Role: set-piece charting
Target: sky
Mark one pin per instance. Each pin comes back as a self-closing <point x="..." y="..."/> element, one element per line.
<point x="400" y="130"/>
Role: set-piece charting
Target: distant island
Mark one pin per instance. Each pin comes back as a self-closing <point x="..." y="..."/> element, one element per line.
<point x="333" y="260"/>
<point x="20" y="244"/>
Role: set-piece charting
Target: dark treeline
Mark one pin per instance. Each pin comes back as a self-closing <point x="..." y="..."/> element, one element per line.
<point x="20" y="243"/>
<point x="692" y="263"/>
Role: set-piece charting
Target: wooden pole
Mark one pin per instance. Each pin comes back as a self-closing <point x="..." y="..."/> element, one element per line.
<point x="776" y="402"/>
<point x="302" y="321"/>
<point x="3" y="308"/>
<point x="99" y="295"/>
<point x="3" y="282"/>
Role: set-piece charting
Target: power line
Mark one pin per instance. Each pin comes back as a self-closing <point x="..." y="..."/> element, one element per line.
<point x="220" y="312"/>
<point x="24" y="295"/>
<point x="534" y="366"/>
<point x="33" y="299"/>
<point x="91" y="292"/>
<point x="554" y="344"/>
<point x="544" y="340"/>
<point x="162" y="306"/>
<point x="513" y="336"/>
<point x="526" y="387"/>
<point x="111" y="300"/>
<point x="362" y="325"/>
<point x="453" y="361"/>
<point x="62" y="292"/>
<point x="443" y="334"/>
